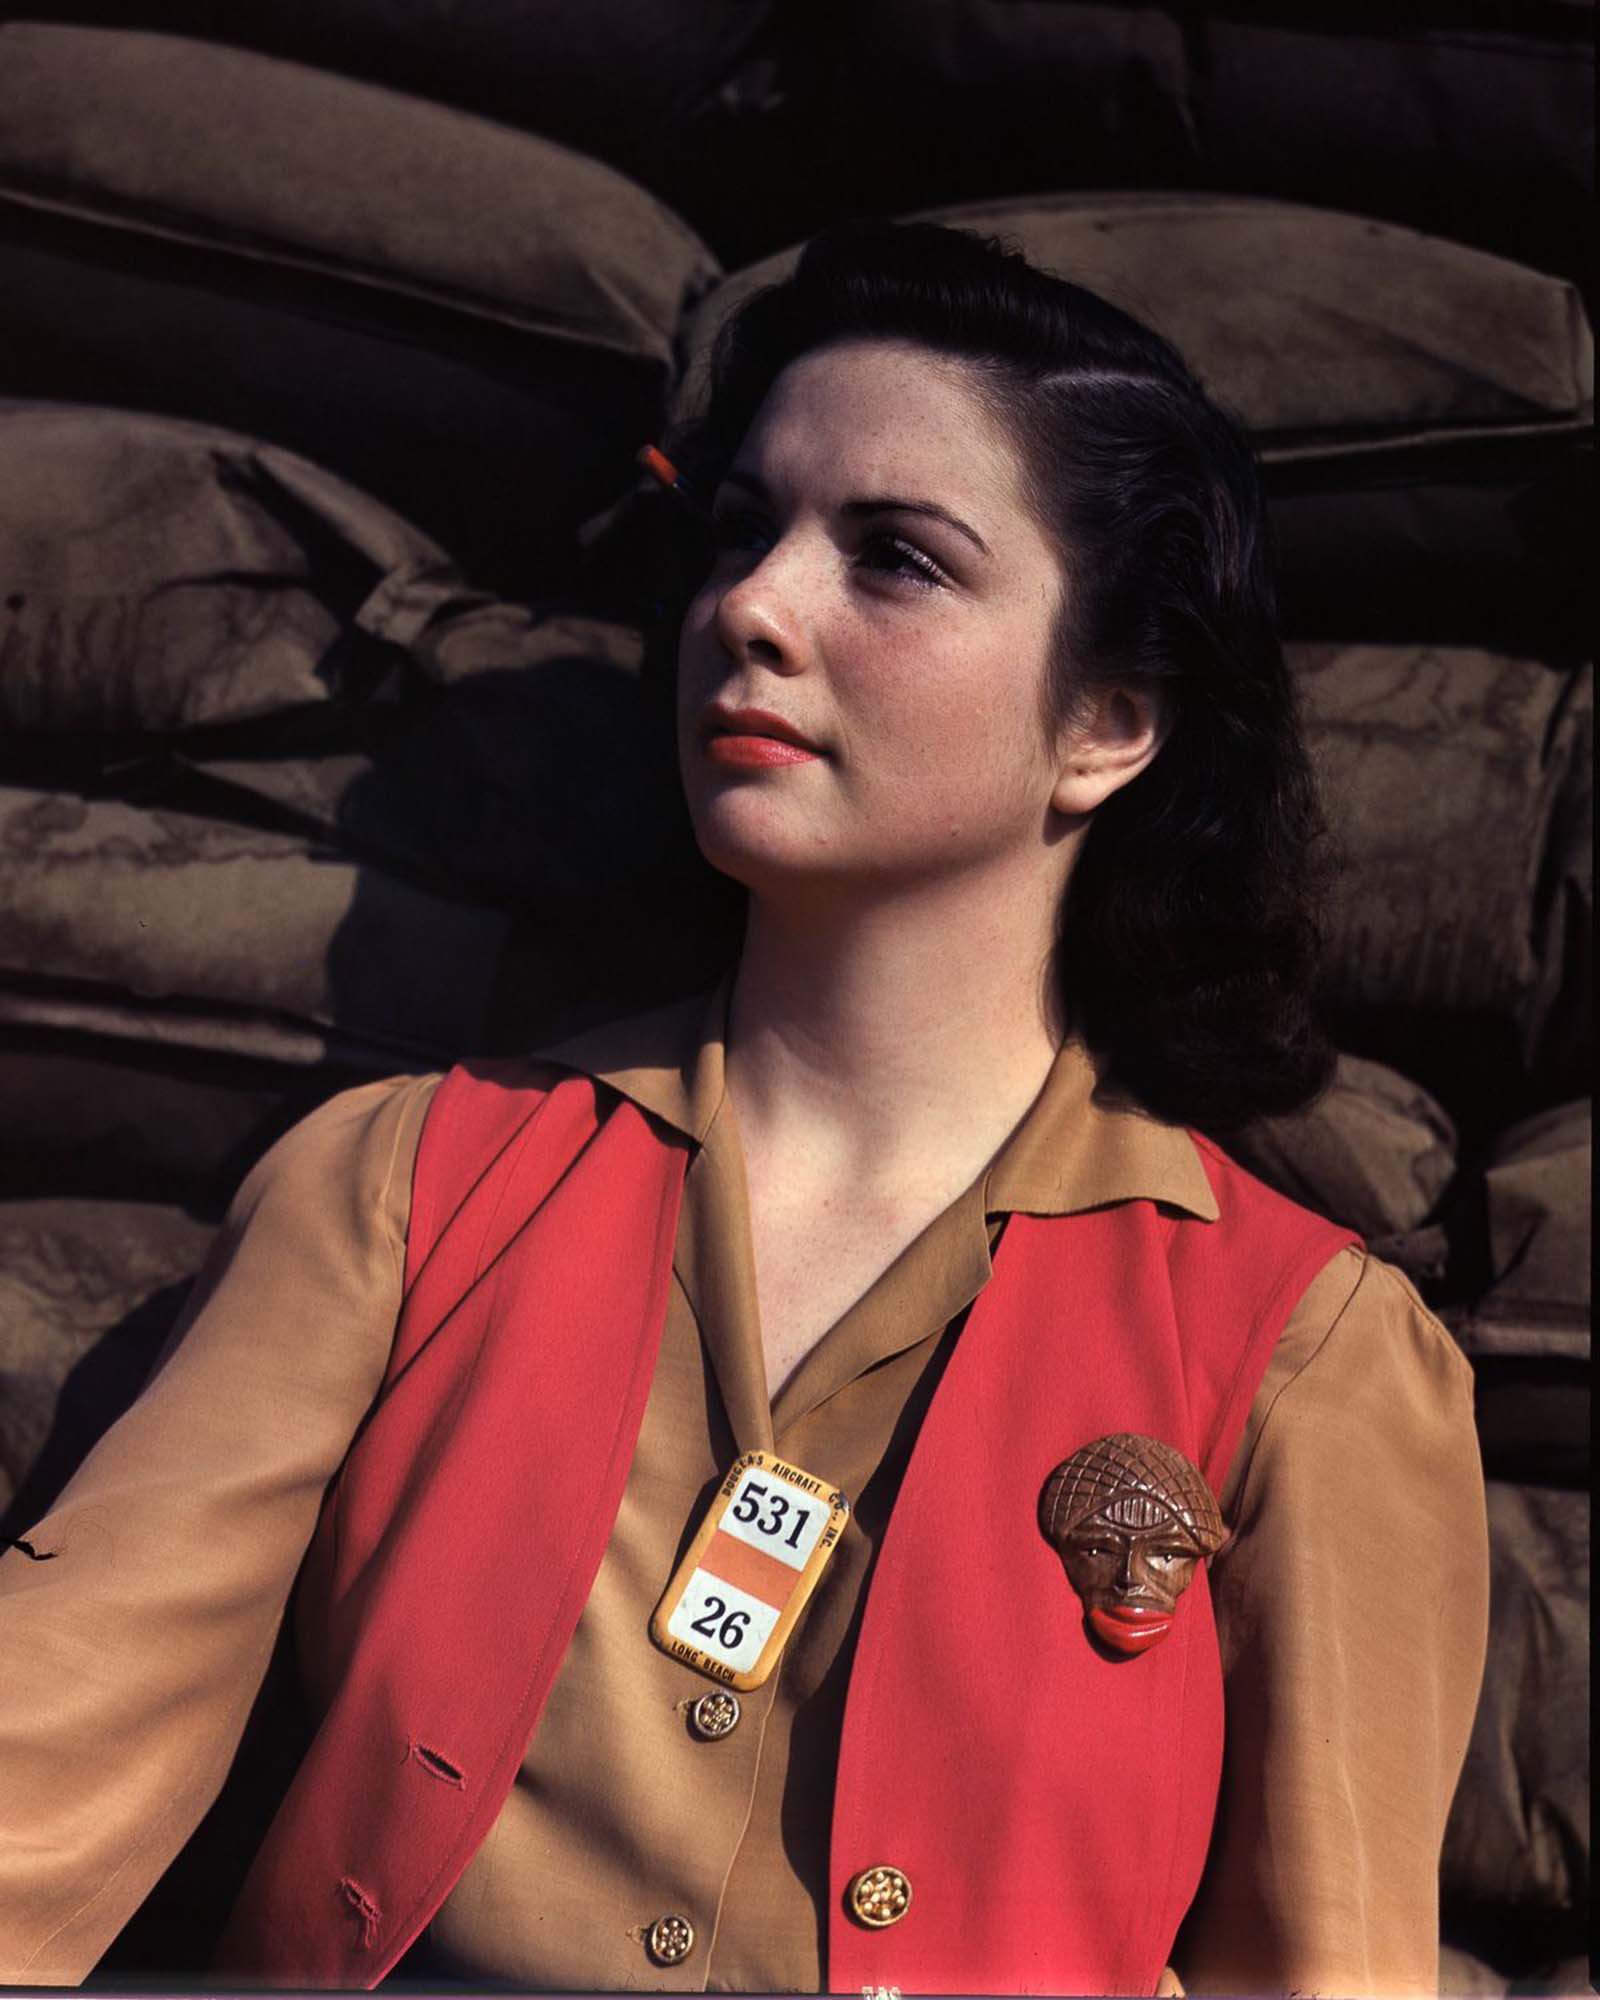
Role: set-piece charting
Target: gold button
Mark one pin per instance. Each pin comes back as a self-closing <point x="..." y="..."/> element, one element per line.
<point x="879" y="1897"/>
<point x="671" y="1940"/>
<point x="715" y="1715"/>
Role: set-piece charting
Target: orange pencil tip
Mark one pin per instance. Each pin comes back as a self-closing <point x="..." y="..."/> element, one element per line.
<point x="656" y="461"/>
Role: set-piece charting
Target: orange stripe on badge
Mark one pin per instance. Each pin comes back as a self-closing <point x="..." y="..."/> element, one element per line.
<point x="749" y="1569"/>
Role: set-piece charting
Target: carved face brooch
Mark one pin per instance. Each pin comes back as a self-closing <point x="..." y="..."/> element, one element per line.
<point x="1132" y="1520"/>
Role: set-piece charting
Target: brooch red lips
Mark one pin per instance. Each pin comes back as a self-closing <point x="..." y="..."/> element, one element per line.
<point x="1129" y="1629"/>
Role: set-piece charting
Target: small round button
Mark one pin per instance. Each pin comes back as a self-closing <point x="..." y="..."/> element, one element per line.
<point x="670" y="1940"/>
<point x="879" y="1897"/>
<point x="715" y="1715"/>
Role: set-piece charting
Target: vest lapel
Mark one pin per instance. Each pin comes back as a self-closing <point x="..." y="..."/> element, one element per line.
<point x="461" y="1542"/>
<point x="1083" y="1787"/>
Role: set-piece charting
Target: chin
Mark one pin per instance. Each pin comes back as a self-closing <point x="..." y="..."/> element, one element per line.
<point x="752" y="864"/>
<point x="743" y="836"/>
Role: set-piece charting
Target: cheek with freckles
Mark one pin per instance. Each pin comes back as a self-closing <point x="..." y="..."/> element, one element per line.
<point x="954" y="732"/>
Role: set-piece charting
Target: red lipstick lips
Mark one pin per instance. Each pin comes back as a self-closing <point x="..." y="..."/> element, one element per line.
<point x="753" y="739"/>
<point x="1131" y="1628"/>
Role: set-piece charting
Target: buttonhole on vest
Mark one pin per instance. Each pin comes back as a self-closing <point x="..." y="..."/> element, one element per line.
<point x="34" y="1555"/>
<point x="432" y="1762"/>
<point x="365" y="1908"/>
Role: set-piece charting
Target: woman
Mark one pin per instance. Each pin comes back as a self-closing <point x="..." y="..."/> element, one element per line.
<point x="980" y="702"/>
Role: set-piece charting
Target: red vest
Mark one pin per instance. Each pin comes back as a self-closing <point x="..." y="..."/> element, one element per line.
<point x="1050" y="1807"/>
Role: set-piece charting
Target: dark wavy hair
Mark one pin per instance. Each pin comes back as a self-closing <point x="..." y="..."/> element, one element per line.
<point x="1189" y="931"/>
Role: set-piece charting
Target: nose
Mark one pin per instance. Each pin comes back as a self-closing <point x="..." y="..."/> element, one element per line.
<point x="757" y="614"/>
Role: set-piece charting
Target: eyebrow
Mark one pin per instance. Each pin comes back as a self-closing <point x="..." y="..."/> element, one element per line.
<point x="883" y="503"/>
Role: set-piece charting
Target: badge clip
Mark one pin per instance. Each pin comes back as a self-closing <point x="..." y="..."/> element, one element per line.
<point x="750" y="1570"/>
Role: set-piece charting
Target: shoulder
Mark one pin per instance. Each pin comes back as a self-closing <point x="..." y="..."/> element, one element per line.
<point x="304" y="1278"/>
<point x="345" y="1168"/>
<point x="1360" y="1311"/>
<point x="1346" y="1295"/>
<point x="1365" y="1379"/>
<point x="1257" y="1244"/>
<point x="362" y="1127"/>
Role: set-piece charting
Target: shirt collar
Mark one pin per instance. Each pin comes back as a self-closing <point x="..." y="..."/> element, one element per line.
<point x="669" y="1061"/>
<point x="1076" y="1147"/>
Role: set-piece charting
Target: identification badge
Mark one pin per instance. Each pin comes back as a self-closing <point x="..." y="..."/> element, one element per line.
<point x="747" y="1574"/>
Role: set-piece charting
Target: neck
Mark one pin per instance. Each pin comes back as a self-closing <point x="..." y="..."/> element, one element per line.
<point x="894" y="1040"/>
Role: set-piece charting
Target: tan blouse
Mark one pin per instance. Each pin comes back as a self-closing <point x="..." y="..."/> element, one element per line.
<point x="1350" y="1609"/>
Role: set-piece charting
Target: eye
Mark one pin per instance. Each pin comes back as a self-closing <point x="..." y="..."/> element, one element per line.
<point x="741" y="528"/>
<point x="891" y="555"/>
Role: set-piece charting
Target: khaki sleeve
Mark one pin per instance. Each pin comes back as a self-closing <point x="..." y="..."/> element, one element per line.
<point x="1352" y="1615"/>
<point x="131" y="1655"/>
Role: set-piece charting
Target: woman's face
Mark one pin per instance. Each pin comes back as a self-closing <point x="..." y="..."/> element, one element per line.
<point x="861" y="676"/>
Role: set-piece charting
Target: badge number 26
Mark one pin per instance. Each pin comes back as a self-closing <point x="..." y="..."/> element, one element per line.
<point x="726" y="1627"/>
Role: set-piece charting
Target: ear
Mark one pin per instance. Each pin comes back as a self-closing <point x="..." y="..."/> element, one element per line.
<point x="1107" y="744"/>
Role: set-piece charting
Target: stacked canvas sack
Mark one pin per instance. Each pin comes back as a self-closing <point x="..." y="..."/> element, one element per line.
<point x="1474" y="122"/>
<point x="279" y="790"/>
<point x="284" y="804"/>
<point x="473" y="324"/>
<point x="762" y="119"/>
<point x="285" y="801"/>
<point x="687" y="96"/>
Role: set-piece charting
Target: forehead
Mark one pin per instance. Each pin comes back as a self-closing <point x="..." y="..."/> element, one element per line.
<point x="885" y="416"/>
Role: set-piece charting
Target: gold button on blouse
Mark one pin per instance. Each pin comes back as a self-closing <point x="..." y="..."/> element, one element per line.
<point x="715" y="1715"/>
<point x="670" y="1940"/>
<point x="879" y="1897"/>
